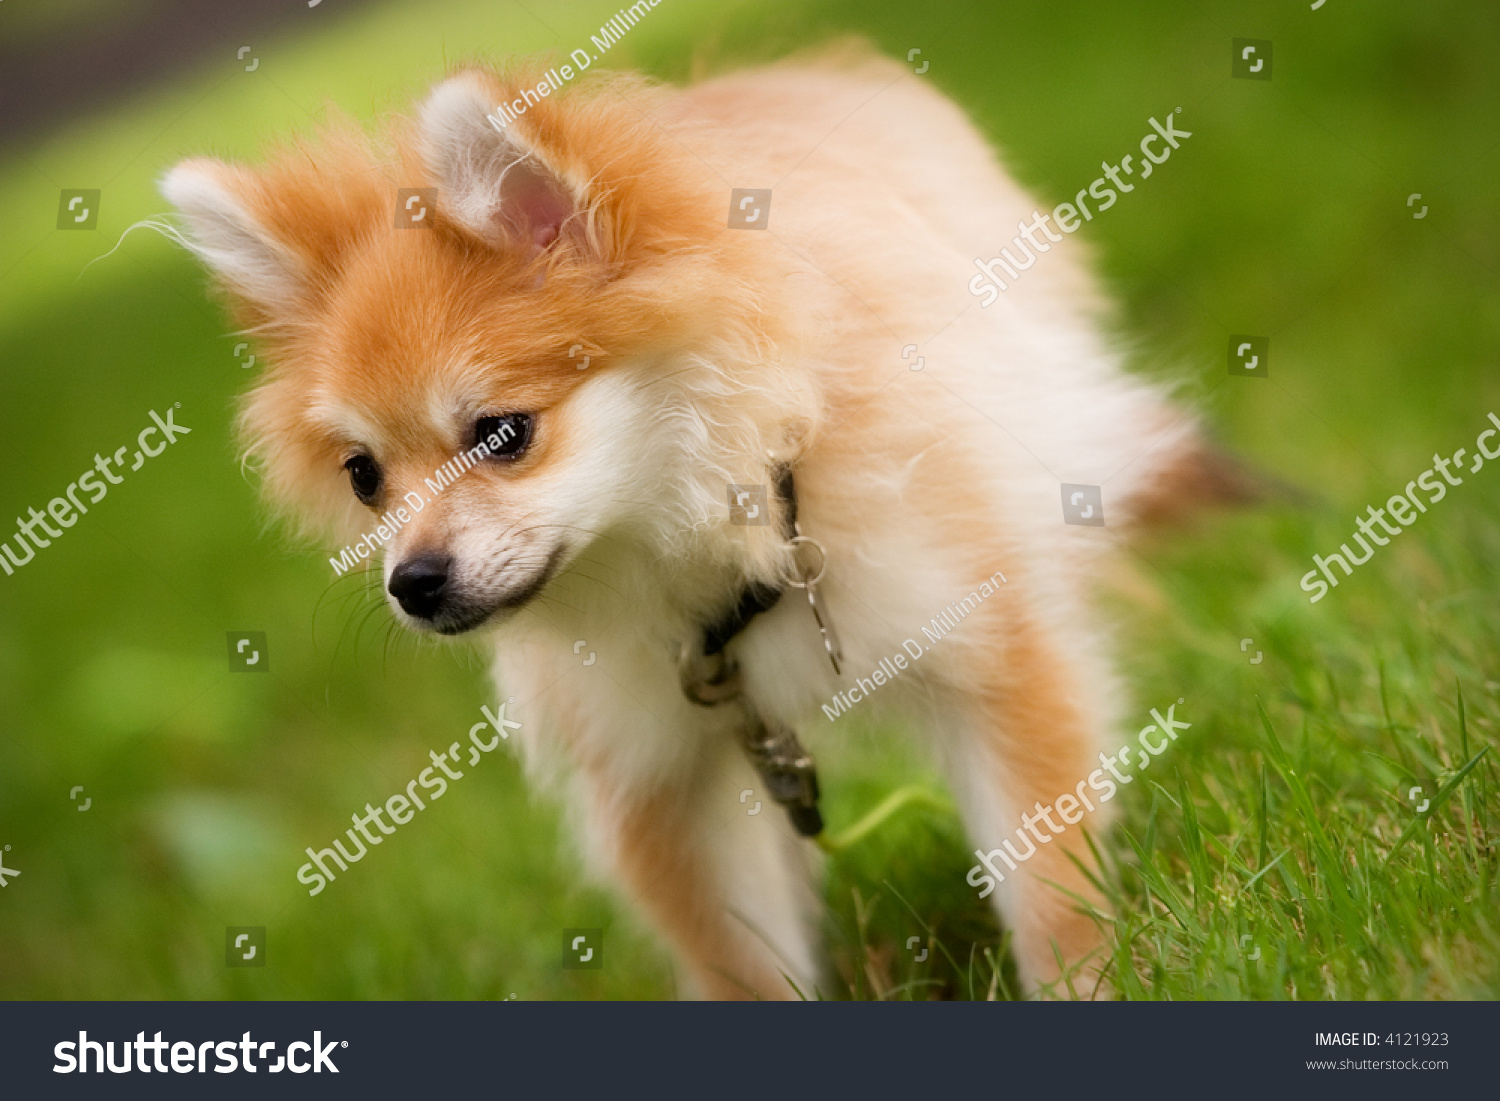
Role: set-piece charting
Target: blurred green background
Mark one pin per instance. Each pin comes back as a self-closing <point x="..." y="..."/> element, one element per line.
<point x="1285" y="215"/>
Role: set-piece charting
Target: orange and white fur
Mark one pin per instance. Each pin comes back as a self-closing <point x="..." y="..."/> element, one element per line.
<point x="598" y="218"/>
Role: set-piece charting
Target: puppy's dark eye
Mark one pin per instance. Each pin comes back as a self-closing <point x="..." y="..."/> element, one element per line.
<point x="364" y="476"/>
<point x="506" y="436"/>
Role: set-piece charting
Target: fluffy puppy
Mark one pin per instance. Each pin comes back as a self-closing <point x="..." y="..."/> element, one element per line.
<point x="577" y="293"/>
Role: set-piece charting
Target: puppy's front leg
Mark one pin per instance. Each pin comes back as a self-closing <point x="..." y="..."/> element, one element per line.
<point x="657" y="782"/>
<point x="726" y="888"/>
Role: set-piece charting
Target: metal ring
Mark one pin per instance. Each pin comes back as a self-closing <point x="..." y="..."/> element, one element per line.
<point x="822" y="560"/>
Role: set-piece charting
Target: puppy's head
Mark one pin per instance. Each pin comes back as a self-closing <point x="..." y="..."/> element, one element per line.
<point x="563" y="348"/>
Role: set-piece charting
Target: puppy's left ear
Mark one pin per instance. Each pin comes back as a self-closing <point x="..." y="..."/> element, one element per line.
<point x="500" y="188"/>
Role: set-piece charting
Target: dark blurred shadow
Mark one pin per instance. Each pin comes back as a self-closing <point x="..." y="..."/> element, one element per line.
<point x="63" y="70"/>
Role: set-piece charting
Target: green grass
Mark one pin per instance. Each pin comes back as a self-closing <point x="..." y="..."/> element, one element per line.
<point x="1277" y="823"/>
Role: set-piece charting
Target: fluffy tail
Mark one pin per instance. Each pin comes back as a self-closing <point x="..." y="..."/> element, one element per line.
<point x="1201" y="475"/>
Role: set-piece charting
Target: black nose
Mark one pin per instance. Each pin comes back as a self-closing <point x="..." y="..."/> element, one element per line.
<point x="420" y="583"/>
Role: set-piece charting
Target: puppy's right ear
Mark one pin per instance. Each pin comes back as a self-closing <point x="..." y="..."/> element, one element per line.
<point x="218" y="202"/>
